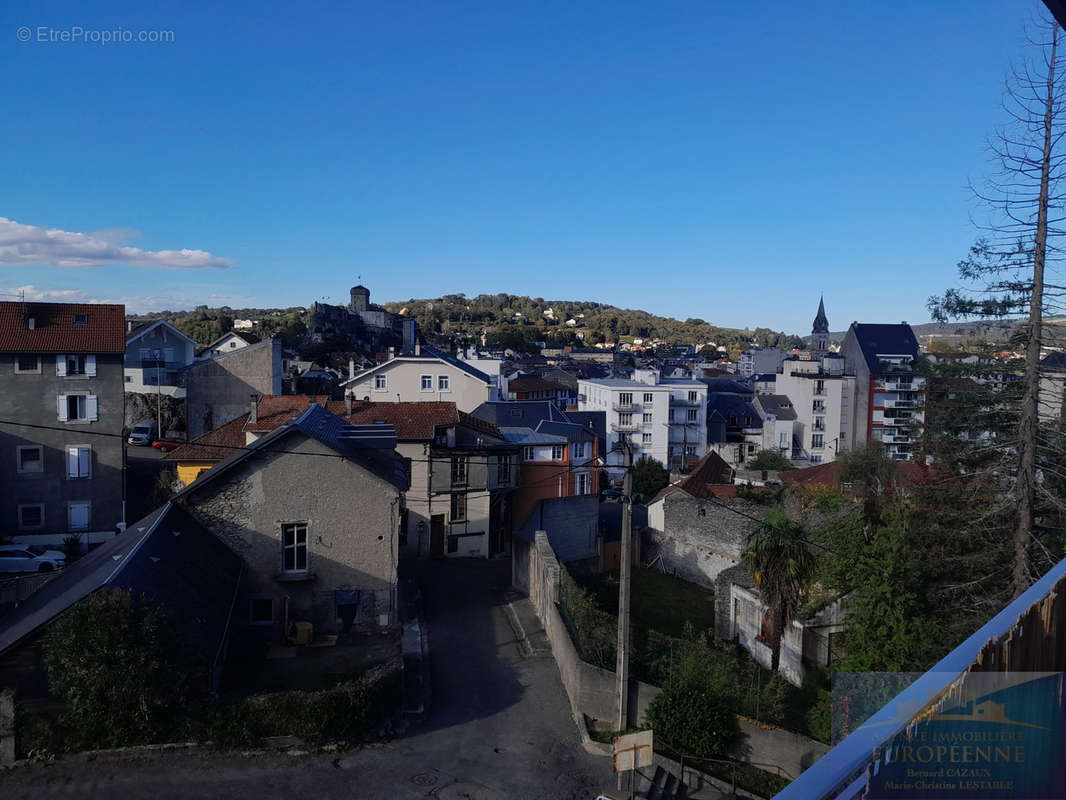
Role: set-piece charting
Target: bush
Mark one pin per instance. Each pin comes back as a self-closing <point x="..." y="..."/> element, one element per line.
<point x="691" y="715"/>
<point x="113" y="661"/>
<point x="770" y="460"/>
<point x="72" y="547"/>
<point x="351" y="711"/>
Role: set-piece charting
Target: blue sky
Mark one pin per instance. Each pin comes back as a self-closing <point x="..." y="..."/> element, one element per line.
<point x="721" y="160"/>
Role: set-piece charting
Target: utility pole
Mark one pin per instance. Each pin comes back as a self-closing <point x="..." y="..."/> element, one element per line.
<point x="624" y="570"/>
<point x="158" y="395"/>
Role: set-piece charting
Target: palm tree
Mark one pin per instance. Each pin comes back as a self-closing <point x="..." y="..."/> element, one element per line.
<point x="779" y="556"/>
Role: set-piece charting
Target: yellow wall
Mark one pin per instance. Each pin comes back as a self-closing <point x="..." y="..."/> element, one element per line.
<point x="190" y="470"/>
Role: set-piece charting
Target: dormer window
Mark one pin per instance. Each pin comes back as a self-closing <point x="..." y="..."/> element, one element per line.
<point x="81" y="319"/>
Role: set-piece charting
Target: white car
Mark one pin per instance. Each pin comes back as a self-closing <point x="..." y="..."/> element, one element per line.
<point x="18" y="559"/>
<point x="142" y="434"/>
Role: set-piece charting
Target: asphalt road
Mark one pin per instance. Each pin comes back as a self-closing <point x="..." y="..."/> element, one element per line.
<point x="499" y="728"/>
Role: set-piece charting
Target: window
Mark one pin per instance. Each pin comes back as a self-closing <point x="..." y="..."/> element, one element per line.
<point x="458" y="507"/>
<point x="816" y="459"/>
<point x="503" y="470"/>
<point x="77" y="407"/>
<point x="78" y="516"/>
<point x="648" y="398"/>
<point x="693" y="397"/>
<point x="427" y="383"/>
<point x="459" y="471"/>
<point x="294" y="547"/>
<point x="557" y="452"/>
<point x="443" y="383"/>
<point x="261" y="610"/>
<point x="81" y="319"/>
<point x="31" y="517"/>
<point x="690" y="450"/>
<point x="751" y="449"/>
<point x="625" y="399"/>
<point x="529" y="454"/>
<point x="647" y="419"/>
<point x="645" y="438"/>
<point x="817" y="441"/>
<point x="25" y="362"/>
<point x="381" y="383"/>
<point x="29" y="458"/>
<point x="75" y="364"/>
<point x="693" y="414"/>
<point x="582" y="483"/>
<point x="819" y="423"/>
<point x="78" y="460"/>
<point x="625" y="419"/>
<point x="578" y="449"/>
<point x="819" y="387"/>
<point x="232" y="345"/>
<point x="819" y="407"/>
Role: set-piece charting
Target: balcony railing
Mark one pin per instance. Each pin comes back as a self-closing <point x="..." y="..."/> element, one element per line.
<point x="624" y="408"/>
<point x="625" y="427"/>
<point x="684" y="402"/>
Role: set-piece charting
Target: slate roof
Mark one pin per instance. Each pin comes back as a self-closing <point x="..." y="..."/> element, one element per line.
<point x="884" y="339"/>
<point x="725" y="406"/>
<point x="528" y="436"/>
<point x="727" y="386"/>
<point x="370" y="446"/>
<point x="519" y="413"/>
<point x="595" y="421"/>
<point x="1055" y="361"/>
<point x="534" y="385"/>
<point x="777" y="404"/>
<point x="54" y="329"/>
<point x="571" y="430"/>
<point x="167" y="557"/>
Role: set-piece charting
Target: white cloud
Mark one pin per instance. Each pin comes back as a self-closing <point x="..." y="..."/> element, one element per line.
<point x="135" y="304"/>
<point x="22" y="245"/>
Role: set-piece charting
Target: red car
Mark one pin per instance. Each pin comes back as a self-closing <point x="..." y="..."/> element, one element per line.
<point x="166" y="445"/>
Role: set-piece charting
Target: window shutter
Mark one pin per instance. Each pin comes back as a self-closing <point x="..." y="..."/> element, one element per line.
<point x="61" y="365"/>
<point x="61" y="407"/>
<point x="91" y="408"/>
<point x="83" y="462"/>
<point x="90" y="365"/>
<point x="72" y="462"/>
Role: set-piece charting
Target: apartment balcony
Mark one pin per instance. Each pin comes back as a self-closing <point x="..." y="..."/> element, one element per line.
<point x="624" y="408"/>
<point x="903" y="403"/>
<point x="681" y="402"/>
<point x="626" y="427"/>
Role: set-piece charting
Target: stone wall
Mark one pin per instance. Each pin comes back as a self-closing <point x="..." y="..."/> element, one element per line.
<point x="352" y="520"/>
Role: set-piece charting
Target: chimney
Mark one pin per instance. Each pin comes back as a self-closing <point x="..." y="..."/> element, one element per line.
<point x="351" y="370"/>
<point x="418" y="349"/>
<point x="253" y="414"/>
<point x="348" y="403"/>
<point x="392" y="353"/>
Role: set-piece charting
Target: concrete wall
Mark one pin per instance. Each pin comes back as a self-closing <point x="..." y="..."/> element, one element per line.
<point x="32" y="398"/>
<point x="352" y="518"/>
<point x="219" y="389"/>
<point x="403" y="377"/>
<point x="592" y="691"/>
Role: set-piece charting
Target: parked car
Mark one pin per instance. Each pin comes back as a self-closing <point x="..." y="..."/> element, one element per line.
<point x="143" y="434"/>
<point x="166" y="445"/>
<point x="19" y="559"/>
<point x="49" y="550"/>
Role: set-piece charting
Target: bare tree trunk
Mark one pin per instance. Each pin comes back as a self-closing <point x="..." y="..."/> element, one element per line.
<point x="1026" y="486"/>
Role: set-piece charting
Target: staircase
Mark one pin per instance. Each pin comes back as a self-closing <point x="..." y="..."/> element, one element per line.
<point x="661" y="785"/>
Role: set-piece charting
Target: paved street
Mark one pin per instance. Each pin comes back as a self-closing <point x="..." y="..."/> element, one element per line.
<point x="499" y="727"/>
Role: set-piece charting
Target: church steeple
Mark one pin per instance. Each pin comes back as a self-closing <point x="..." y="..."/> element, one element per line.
<point x="820" y="330"/>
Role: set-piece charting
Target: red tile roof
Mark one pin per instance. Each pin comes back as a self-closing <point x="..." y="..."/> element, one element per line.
<point x="412" y="421"/>
<point x="908" y="473"/>
<point x="54" y="330"/>
<point x="215" y="445"/>
<point x="711" y="477"/>
<point x="534" y="385"/>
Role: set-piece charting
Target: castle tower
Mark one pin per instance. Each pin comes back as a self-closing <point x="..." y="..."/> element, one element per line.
<point x="820" y="330"/>
<point x="360" y="299"/>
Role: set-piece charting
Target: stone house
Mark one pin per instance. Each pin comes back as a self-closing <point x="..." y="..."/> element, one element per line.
<point x="313" y="509"/>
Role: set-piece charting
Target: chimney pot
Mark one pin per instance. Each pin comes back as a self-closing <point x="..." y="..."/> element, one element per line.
<point x="253" y="414"/>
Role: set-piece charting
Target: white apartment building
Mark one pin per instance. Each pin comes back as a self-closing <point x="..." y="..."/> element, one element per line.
<point x="663" y="418"/>
<point x="823" y="398"/>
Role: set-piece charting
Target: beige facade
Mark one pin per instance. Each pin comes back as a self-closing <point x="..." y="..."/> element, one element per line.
<point x="409" y="379"/>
